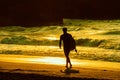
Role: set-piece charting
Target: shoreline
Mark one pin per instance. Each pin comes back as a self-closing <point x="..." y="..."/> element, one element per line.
<point x="87" y="53"/>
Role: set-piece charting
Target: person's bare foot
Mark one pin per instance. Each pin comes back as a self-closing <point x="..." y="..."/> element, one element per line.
<point x="66" y="67"/>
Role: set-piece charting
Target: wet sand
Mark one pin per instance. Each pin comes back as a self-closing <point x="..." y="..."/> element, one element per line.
<point x="10" y="70"/>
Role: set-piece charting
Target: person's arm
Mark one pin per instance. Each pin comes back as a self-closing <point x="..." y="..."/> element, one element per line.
<point x="60" y="42"/>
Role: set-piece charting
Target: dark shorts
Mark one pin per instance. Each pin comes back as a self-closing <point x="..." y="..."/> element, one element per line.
<point x="66" y="51"/>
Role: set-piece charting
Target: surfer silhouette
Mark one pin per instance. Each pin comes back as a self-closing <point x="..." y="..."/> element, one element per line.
<point x="66" y="38"/>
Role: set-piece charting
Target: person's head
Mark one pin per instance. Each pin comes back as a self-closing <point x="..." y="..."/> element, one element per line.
<point x="65" y="30"/>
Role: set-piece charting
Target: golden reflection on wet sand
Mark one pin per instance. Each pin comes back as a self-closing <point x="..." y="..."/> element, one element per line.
<point x="37" y="60"/>
<point x="60" y="61"/>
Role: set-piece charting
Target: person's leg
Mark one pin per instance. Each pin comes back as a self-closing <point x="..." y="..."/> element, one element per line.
<point x="68" y="59"/>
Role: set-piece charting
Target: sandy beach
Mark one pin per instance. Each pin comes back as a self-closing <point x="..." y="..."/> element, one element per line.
<point x="16" y="70"/>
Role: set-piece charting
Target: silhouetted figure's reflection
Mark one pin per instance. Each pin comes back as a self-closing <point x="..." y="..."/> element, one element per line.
<point x="66" y="38"/>
<point x="68" y="71"/>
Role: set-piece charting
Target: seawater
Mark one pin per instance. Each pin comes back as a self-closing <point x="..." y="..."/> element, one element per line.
<point x="87" y="53"/>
